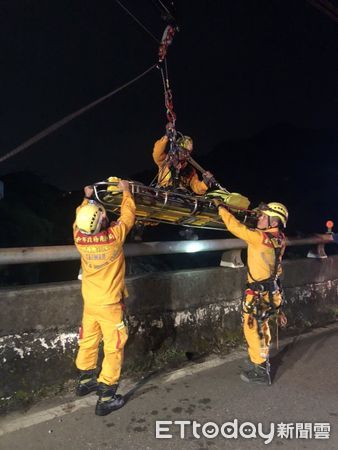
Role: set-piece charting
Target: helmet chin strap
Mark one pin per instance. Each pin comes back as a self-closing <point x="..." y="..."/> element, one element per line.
<point x="269" y="224"/>
<point x="104" y="223"/>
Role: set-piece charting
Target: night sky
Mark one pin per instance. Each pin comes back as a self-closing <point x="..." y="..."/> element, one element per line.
<point x="236" y="68"/>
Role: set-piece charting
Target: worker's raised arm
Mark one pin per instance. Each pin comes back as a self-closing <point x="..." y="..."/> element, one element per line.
<point x="125" y="223"/>
<point x="159" y="153"/>
<point x="238" y="229"/>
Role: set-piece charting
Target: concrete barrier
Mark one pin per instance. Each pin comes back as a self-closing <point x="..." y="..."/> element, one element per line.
<point x="171" y="316"/>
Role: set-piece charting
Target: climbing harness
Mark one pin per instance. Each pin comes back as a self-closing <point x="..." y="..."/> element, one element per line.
<point x="258" y="308"/>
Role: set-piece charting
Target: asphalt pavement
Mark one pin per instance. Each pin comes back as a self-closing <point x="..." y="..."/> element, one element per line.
<point x="203" y="405"/>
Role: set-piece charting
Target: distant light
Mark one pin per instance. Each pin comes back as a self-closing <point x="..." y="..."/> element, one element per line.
<point x="329" y="224"/>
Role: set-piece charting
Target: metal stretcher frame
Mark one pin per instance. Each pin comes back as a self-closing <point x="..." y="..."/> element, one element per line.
<point x="159" y="205"/>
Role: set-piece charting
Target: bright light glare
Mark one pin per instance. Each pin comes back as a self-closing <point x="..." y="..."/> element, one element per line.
<point x="193" y="247"/>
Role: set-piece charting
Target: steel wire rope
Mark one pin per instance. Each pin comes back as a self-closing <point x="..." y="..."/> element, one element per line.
<point x="137" y="21"/>
<point x="55" y="126"/>
<point x="164" y="75"/>
<point x="163" y="8"/>
<point x="326" y="7"/>
<point x="160" y="175"/>
<point x="165" y="81"/>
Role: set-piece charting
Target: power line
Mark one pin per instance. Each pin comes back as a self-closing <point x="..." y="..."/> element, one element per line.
<point x="42" y="134"/>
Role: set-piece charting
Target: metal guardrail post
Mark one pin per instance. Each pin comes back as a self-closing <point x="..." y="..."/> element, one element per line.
<point x="317" y="252"/>
<point x="232" y="259"/>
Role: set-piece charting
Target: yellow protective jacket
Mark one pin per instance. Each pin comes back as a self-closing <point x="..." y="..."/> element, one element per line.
<point x="261" y="248"/>
<point x="102" y="258"/>
<point x="165" y="179"/>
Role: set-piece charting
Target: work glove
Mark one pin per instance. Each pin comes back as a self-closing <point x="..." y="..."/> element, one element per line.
<point x="170" y="131"/>
<point x="217" y="202"/>
<point x="208" y="178"/>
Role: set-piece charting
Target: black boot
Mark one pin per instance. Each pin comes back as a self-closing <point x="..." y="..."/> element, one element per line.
<point x="87" y="382"/>
<point x="259" y="374"/>
<point x="108" y="400"/>
<point x="246" y="364"/>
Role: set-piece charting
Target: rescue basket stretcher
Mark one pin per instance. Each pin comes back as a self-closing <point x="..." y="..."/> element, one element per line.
<point x="159" y="205"/>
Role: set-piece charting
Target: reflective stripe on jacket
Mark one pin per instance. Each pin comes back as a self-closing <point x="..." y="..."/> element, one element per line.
<point x="102" y="258"/>
<point x="261" y="248"/>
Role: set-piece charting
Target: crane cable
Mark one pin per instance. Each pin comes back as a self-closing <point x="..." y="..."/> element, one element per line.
<point x="166" y="40"/>
<point x="137" y="21"/>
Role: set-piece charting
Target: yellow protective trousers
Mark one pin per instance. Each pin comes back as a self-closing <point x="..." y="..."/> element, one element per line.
<point x="258" y="335"/>
<point x="102" y="322"/>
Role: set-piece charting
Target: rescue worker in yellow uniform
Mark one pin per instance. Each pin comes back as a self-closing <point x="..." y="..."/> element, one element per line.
<point x="174" y="169"/>
<point x="263" y="297"/>
<point x="103" y="289"/>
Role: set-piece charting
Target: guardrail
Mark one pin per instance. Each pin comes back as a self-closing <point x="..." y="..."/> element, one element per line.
<point x="231" y="247"/>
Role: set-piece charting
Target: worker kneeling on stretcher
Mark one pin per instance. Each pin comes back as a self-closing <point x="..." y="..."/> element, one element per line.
<point x="174" y="169"/>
